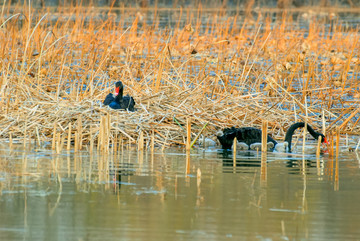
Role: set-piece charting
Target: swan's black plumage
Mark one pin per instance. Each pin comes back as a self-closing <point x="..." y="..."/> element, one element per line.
<point x="248" y="135"/>
<point x="293" y="127"/>
<point x="108" y="99"/>
<point x="119" y="101"/>
<point x="251" y="135"/>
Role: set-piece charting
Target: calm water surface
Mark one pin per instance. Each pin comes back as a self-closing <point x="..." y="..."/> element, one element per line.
<point x="139" y="196"/>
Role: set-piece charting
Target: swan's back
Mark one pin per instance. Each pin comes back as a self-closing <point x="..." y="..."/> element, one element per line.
<point x="108" y="99"/>
<point x="129" y="103"/>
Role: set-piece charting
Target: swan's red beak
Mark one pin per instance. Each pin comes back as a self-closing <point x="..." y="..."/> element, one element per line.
<point x="325" y="144"/>
<point x="117" y="89"/>
<point x="325" y="141"/>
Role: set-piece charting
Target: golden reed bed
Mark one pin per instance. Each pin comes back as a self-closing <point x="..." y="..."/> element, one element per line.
<point x="211" y="68"/>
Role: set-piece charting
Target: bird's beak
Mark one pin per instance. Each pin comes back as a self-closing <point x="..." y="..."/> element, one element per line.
<point x="325" y="144"/>
<point x="117" y="89"/>
<point x="325" y="141"/>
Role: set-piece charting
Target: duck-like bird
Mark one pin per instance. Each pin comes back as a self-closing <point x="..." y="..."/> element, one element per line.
<point x="118" y="101"/>
<point x="251" y="136"/>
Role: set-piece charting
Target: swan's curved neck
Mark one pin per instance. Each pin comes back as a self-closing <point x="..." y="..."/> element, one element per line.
<point x="119" y="97"/>
<point x="293" y="127"/>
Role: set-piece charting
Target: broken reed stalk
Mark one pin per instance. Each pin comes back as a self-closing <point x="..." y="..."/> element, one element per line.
<point x="119" y="144"/>
<point x="187" y="163"/>
<point x="115" y="144"/>
<point x="54" y="138"/>
<point x="188" y="133"/>
<point x="108" y="129"/>
<point x="69" y="138"/>
<point x="10" y="140"/>
<point x="347" y="140"/>
<point x="323" y="122"/>
<point x="198" y="135"/>
<point x="141" y="141"/>
<point x="62" y="142"/>
<point x="234" y="151"/>
<point x="104" y="134"/>
<point x="25" y="129"/>
<point x="99" y="139"/>
<point x="337" y="141"/>
<point x="79" y="130"/>
<point x="111" y="145"/>
<point x="152" y="145"/>
<point x="58" y="143"/>
<point x="264" y="135"/>
<point x="263" y="168"/>
<point x="331" y="142"/>
<point x="76" y="140"/>
<point x="91" y="149"/>
<point x="305" y="128"/>
<point x="38" y="136"/>
<point x="104" y="140"/>
<point x="357" y="145"/>
<point x="318" y="148"/>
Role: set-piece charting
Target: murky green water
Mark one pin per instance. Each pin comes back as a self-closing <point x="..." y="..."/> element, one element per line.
<point x="139" y="196"/>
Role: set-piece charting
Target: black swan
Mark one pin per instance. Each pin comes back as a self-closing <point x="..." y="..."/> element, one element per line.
<point x="119" y="101"/>
<point x="252" y="136"/>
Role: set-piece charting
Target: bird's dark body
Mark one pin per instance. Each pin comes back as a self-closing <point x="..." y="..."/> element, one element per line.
<point x="108" y="99"/>
<point x="251" y="135"/>
<point x="127" y="103"/>
<point x="248" y="135"/>
<point x="120" y="102"/>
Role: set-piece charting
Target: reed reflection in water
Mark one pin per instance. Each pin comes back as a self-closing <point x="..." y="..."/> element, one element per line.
<point x="139" y="195"/>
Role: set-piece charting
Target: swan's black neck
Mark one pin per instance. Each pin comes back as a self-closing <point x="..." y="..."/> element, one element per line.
<point x="293" y="127"/>
<point x="119" y="97"/>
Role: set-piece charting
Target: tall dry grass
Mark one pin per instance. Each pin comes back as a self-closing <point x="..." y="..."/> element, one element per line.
<point x="219" y="70"/>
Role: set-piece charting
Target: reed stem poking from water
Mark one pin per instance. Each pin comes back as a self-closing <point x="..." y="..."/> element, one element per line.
<point x="58" y="140"/>
<point x="76" y="140"/>
<point x="234" y="151"/>
<point x="337" y="141"/>
<point x="323" y="122"/>
<point x="141" y="141"/>
<point x="357" y="145"/>
<point x="305" y="130"/>
<point x="100" y="136"/>
<point x="108" y="130"/>
<point x="187" y="162"/>
<point x="25" y="129"/>
<point x="318" y="147"/>
<point x="263" y="169"/>
<point x="38" y="136"/>
<point x="336" y="178"/>
<point x="79" y="130"/>
<point x="62" y="142"/>
<point x="115" y="144"/>
<point x="69" y="138"/>
<point x="152" y="145"/>
<point x="264" y="135"/>
<point x="331" y="142"/>
<point x="10" y="140"/>
<point x="91" y="140"/>
<point x="188" y="133"/>
<point x="54" y="138"/>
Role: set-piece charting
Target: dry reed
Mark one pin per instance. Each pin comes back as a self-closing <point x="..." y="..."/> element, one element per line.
<point x="234" y="152"/>
<point x="264" y="135"/>
<point x="56" y="68"/>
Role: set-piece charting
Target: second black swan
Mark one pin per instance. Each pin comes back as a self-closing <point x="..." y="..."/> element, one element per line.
<point x="251" y="135"/>
<point x="118" y="101"/>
